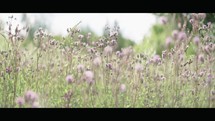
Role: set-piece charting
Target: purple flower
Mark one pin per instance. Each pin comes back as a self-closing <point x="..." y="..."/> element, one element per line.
<point x="109" y="66"/>
<point x="20" y="101"/>
<point x="88" y="76"/>
<point x="30" y="97"/>
<point x="191" y="21"/>
<point x="196" y="40"/>
<point x="182" y="36"/>
<point x="209" y="79"/>
<point x="201" y="58"/>
<point x="8" y="70"/>
<point x="127" y="51"/>
<point x="69" y="79"/>
<point x="168" y="41"/>
<point x="156" y="59"/>
<point x="108" y="50"/>
<point x="138" y="67"/>
<point x="113" y="42"/>
<point x="122" y="88"/>
<point x="164" y="53"/>
<point x="97" y="61"/>
<point x="175" y="34"/>
<point x="163" y="20"/>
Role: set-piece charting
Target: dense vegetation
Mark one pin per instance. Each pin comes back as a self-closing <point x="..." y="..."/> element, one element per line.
<point x="80" y="71"/>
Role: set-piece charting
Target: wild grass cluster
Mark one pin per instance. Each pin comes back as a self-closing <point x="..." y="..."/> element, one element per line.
<point x="72" y="73"/>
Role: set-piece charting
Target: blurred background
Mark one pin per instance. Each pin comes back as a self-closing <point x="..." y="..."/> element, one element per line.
<point x="133" y="26"/>
<point x="146" y="32"/>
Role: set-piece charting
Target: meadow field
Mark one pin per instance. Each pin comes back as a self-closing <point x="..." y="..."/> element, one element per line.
<point x="78" y="71"/>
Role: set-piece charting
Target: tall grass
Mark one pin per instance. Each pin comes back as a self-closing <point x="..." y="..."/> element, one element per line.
<point x="71" y="73"/>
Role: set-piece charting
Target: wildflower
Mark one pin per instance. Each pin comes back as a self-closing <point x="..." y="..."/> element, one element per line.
<point x="163" y="20"/>
<point x="88" y="76"/>
<point x="138" y="67"/>
<point x="122" y="88"/>
<point x="20" y="101"/>
<point x="127" y="51"/>
<point x="168" y="41"/>
<point x="175" y="34"/>
<point x="196" y="40"/>
<point x="182" y="36"/>
<point x="164" y="53"/>
<point x="109" y="66"/>
<point x="108" y="50"/>
<point x="201" y="58"/>
<point x="97" y="61"/>
<point x="191" y="21"/>
<point x="69" y="79"/>
<point x="209" y="79"/>
<point x="156" y="59"/>
<point x="113" y="42"/>
<point x="8" y="70"/>
<point x="30" y="97"/>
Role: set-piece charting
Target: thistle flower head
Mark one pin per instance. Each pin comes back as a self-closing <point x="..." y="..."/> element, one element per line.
<point x="191" y="21"/>
<point x="196" y="40"/>
<point x="182" y="36"/>
<point x="175" y="34"/>
<point x="20" y="101"/>
<point x="88" y="76"/>
<point x="138" y="67"/>
<point x="168" y="41"/>
<point x="69" y="79"/>
<point x="97" y="61"/>
<point x="30" y="97"/>
<point x="156" y="59"/>
<point x="163" y="20"/>
<point x="201" y="58"/>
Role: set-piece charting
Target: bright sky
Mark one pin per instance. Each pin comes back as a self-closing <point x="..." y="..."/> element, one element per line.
<point x="132" y="25"/>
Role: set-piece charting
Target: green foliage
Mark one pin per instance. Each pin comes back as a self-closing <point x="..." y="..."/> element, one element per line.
<point x="155" y="42"/>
